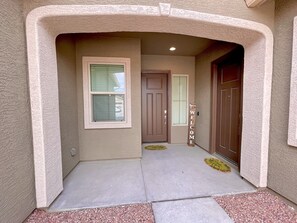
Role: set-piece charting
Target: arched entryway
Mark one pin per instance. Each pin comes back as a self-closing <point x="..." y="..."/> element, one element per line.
<point x="45" y="23"/>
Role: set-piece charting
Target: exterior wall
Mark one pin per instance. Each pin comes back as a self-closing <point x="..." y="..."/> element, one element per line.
<point x="282" y="158"/>
<point x="234" y="8"/>
<point x="17" y="191"/>
<point x="177" y="65"/>
<point x="44" y="23"/>
<point x="203" y="90"/>
<point x="66" y="62"/>
<point x="110" y="143"/>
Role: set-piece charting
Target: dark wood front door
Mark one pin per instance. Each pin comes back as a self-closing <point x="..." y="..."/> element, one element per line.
<point x="154" y="107"/>
<point x="229" y="100"/>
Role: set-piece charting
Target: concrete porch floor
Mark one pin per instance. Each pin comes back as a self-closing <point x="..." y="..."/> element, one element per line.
<point x="178" y="173"/>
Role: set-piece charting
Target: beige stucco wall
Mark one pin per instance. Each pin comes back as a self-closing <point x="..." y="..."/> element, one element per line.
<point x="234" y="8"/>
<point x="17" y="190"/>
<point x="282" y="158"/>
<point x="177" y="65"/>
<point x="100" y="144"/>
<point x="66" y="62"/>
<point x="203" y="90"/>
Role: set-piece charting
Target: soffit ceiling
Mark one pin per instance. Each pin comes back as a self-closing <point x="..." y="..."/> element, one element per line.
<point x="159" y="43"/>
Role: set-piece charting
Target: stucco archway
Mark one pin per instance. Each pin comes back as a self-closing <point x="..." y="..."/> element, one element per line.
<point x="45" y="23"/>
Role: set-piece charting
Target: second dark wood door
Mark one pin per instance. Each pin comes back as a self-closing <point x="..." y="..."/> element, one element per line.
<point x="229" y="93"/>
<point x="154" y="107"/>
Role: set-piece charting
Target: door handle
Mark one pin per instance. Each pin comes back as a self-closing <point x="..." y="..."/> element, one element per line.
<point x="165" y="117"/>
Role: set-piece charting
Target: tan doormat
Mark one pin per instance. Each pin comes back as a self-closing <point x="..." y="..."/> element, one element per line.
<point x="217" y="164"/>
<point x="155" y="147"/>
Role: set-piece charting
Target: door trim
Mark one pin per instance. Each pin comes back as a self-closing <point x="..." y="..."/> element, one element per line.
<point x="214" y="100"/>
<point x="169" y="103"/>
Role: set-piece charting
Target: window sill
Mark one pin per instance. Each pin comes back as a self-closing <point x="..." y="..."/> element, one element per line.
<point x="180" y="125"/>
<point x="107" y="125"/>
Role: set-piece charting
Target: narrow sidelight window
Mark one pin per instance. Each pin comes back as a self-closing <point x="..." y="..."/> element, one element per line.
<point x="179" y="100"/>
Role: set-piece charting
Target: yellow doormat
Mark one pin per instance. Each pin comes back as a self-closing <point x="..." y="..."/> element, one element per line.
<point x="217" y="164"/>
<point x="155" y="147"/>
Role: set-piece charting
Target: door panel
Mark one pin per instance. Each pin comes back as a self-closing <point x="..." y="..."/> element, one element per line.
<point x="154" y="104"/>
<point x="159" y="114"/>
<point x="149" y="112"/>
<point x="235" y="121"/>
<point x="229" y="89"/>
<point x="224" y="111"/>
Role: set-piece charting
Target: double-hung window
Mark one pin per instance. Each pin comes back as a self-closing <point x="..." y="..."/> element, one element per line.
<point x="107" y="94"/>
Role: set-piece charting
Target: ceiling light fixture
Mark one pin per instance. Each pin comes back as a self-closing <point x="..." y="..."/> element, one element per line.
<point x="172" y="48"/>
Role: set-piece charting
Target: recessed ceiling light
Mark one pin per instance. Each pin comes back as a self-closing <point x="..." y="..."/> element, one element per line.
<point x="172" y="48"/>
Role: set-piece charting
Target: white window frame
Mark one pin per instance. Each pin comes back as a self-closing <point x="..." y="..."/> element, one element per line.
<point x="87" y="96"/>
<point x="187" y="117"/>
<point x="292" y="131"/>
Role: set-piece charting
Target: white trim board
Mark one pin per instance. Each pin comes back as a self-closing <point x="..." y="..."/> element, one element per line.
<point x="45" y="23"/>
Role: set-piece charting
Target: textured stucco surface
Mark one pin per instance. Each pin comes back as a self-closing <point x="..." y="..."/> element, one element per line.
<point x="234" y="8"/>
<point x="17" y="191"/>
<point x="292" y="131"/>
<point x="46" y="131"/>
<point x="98" y="144"/>
<point x="43" y="24"/>
<point x="203" y="90"/>
<point x="282" y="158"/>
<point x="66" y="61"/>
<point x="177" y="65"/>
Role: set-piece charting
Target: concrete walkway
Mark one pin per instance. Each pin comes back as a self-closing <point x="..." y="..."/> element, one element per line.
<point x="200" y="210"/>
<point x="170" y="179"/>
